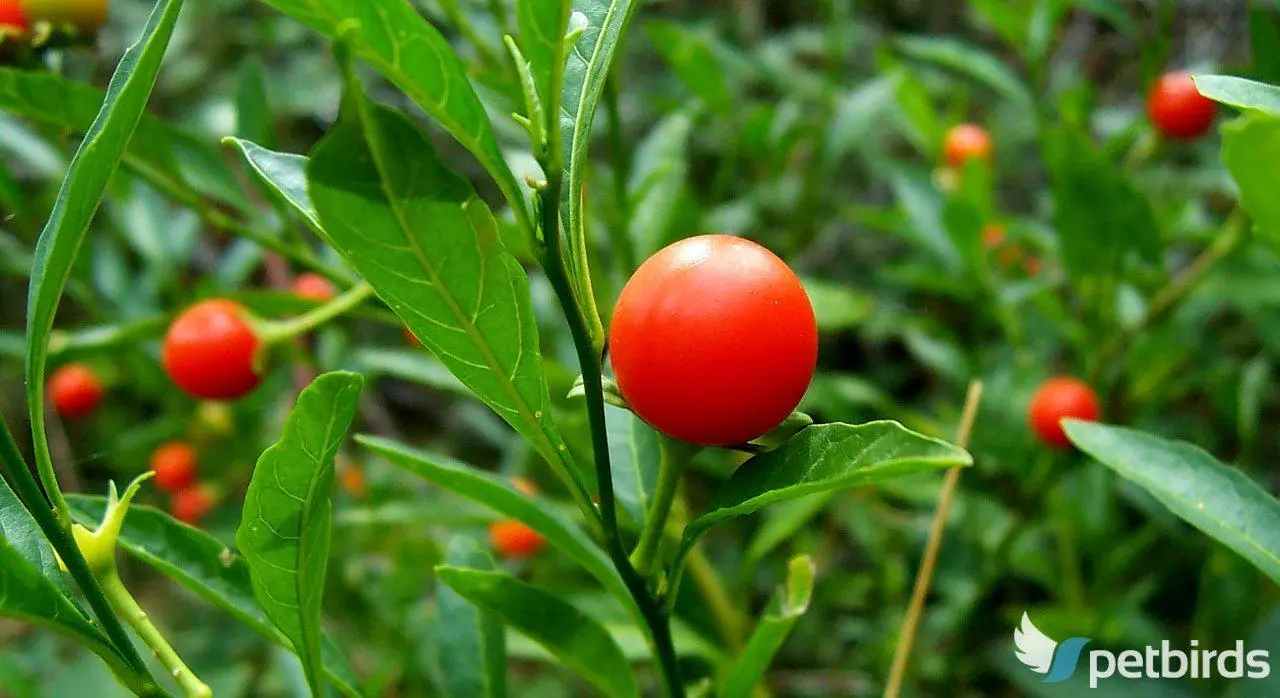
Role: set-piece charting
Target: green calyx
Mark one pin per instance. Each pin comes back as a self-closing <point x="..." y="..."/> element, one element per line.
<point x="99" y="546"/>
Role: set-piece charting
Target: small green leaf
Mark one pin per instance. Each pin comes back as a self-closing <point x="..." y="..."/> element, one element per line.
<point x="78" y="199"/>
<point x="788" y="604"/>
<point x="658" y="178"/>
<point x="1240" y="93"/>
<point x="421" y="236"/>
<point x="470" y="642"/>
<point x="496" y="493"/>
<point x="208" y="568"/>
<point x="1215" y="498"/>
<point x="634" y="456"/>
<point x="24" y="537"/>
<point x="821" y="458"/>
<point x="576" y="639"/>
<point x="1250" y="148"/>
<point x="412" y="54"/>
<point x="971" y="61"/>
<point x="286" y="175"/>
<point x="543" y="25"/>
<point x="284" y="534"/>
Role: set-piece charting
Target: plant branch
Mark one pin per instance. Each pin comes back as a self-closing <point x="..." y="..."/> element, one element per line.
<point x="124" y="604"/>
<point x="273" y="332"/>
<point x="589" y="360"/>
<point x="671" y="464"/>
<point x="923" y="579"/>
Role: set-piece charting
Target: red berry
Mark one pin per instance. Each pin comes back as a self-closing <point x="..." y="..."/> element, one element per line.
<point x="12" y="16"/>
<point x="515" y="539"/>
<point x="992" y="235"/>
<point x="1057" y="399"/>
<point x="175" y="466"/>
<point x="192" y="504"/>
<point x="209" y="351"/>
<point x="1177" y="108"/>
<point x="965" y="142"/>
<point x="313" y="287"/>
<point x="75" y="391"/>
<point x="714" y="340"/>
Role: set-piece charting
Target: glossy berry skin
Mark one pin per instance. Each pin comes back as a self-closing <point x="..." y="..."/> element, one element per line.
<point x="12" y="16"/>
<point x="513" y="539"/>
<point x="1177" y="109"/>
<point x="714" y="340"/>
<point x="191" y="505"/>
<point x="175" y="466"/>
<point x="75" y="391"/>
<point x="965" y="142"/>
<point x="313" y="287"/>
<point x="1057" y="399"/>
<point x="209" y="351"/>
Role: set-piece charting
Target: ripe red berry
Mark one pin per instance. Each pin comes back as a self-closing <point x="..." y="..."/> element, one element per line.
<point x="1057" y="399"/>
<point x="515" y="539"/>
<point x="12" y="16"/>
<point x="714" y="340"/>
<point x="209" y="351"/>
<point x="1177" y="108"/>
<point x="75" y="391"/>
<point x="175" y="466"/>
<point x="192" y="504"/>
<point x="313" y="287"/>
<point x="965" y="142"/>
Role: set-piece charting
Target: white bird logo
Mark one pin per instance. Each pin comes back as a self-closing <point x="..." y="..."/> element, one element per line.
<point x="1034" y="648"/>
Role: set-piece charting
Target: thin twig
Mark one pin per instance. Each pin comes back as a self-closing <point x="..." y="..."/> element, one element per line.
<point x="923" y="579"/>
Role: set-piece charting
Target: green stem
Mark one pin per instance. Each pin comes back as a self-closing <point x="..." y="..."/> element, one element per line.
<point x="589" y="361"/>
<point x="670" y="465"/>
<point x="274" y="332"/>
<point x="1171" y="296"/>
<point x="124" y="604"/>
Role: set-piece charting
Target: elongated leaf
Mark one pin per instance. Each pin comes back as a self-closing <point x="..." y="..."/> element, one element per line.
<point x="822" y="458"/>
<point x="285" y="174"/>
<point x="1250" y="146"/>
<point x="78" y="199"/>
<point x="784" y="520"/>
<point x="1240" y="93"/>
<point x="497" y="494"/>
<point x="788" y="604"/>
<point x="284" y="534"/>
<point x="470" y="642"/>
<point x="1215" y="498"/>
<point x="159" y="148"/>
<point x="408" y="51"/>
<point x="429" y="246"/>
<point x="856" y="115"/>
<point x="543" y="25"/>
<point x="26" y="594"/>
<point x="971" y="61"/>
<point x="204" y="565"/>
<point x="575" y="638"/>
<point x="24" y="537"/>
<point x="634" y="454"/>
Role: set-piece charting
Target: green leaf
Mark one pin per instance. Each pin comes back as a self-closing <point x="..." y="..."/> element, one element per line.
<point x="634" y="456"/>
<point x="694" y="62"/>
<point x="470" y="642"/>
<point x="208" y="568"/>
<point x="253" y="105"/>
<point x="1240" y="93"/>
<point x="408" y="51"/>
<point x="924" y="208"/>
<point x="857" y="113"/>
<point x="284" y="533"/>
<point x="971" y="61"/>
<point x="788" y="604"/>
<point x="1250" y="146"/>
<point x="429" y="246"/>
<point x="837" y="306"/>
<point x="657" y="180"/>
<point x="1264" y="43"/>
<point x="821" y="458"/>
<point x="27" y="595"/>
<point x="158" y="148"/>
<point x="784" y="520"/>
<point x="496" y="493"/>
<point x="1215" y="498"/>
<point x="543" y="25"/>
<point x="78" y="199"/>
<point x="576" y="639"/>
<point x="285" y="174"/>
<point x="24" y="537"/>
